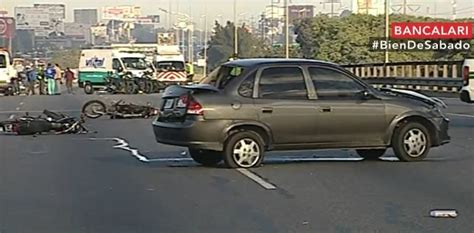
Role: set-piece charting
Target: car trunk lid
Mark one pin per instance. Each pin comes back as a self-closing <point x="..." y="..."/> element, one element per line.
<point x="179" y="101"/>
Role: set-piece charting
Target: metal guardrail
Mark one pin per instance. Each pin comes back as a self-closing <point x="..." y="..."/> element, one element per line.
<point x="425" y="69"/>
<point x="434" y="86"/>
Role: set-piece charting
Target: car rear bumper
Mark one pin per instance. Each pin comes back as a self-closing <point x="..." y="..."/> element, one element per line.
<point x="194" y="132"/>
<point x="442" y="136"/>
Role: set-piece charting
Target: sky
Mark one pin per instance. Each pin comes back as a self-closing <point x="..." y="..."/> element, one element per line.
<point x="222" y="10"/>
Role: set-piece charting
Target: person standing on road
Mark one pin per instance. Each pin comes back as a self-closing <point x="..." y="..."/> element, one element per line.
<point x="58" y="79"/>
<point x="41" y="79"/>
<point x="49" y="74"/>
<point x="31" y="76"/>
<point x="69" y="76"/>
<point x="189" y="71"/>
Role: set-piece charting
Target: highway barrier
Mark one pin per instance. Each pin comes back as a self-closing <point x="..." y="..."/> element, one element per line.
<point x="441" y="78"/>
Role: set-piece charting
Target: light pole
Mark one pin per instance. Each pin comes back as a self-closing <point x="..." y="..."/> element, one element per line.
<point x="236" y="45"/>
<point x="287" y="36"/>
<point x="387" y="21"/>
<point x="204" y="72"/>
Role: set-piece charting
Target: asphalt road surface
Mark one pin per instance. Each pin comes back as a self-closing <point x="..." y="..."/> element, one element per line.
<point x="120" y="180"/>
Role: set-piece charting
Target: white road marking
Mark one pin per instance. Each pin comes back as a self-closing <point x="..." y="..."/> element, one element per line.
<point x="11" y="116"/>
<point x="461" y="115"/>
<point x="124" y="146"/>
<point x="17" y="108"/>
<point x="171" y="160"/>
<point x="256" y="178"/>
<point x="21" y="103"/>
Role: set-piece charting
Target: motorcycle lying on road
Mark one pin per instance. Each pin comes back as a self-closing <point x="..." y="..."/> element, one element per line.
<point x="48" y="122"/>
<point x="119" y="109"/>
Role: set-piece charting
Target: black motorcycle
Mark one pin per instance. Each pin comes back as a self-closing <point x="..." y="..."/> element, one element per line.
<point x="48" y="122"/>
<point x="119" y="109"/>
<point x="124" y="84"/>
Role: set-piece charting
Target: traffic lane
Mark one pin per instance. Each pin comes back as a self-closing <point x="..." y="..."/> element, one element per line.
<point x="384" y="196"/>
<point x="10" y="103"/>
<point x="69" y="183"/>
<point x="456" y="106"/>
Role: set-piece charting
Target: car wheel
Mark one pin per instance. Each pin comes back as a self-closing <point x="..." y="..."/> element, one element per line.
<point x="372" y="154"/>
<point x="206" y="157"/>
<point x="411" y="142"/>
<point x="244" y="149"/>
<point x="88" y="88"/>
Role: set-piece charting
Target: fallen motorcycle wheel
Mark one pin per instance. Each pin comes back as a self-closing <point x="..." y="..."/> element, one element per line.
<point x="94" y="109"/>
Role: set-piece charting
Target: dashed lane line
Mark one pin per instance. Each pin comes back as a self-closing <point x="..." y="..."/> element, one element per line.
<point x="259" y="180"/>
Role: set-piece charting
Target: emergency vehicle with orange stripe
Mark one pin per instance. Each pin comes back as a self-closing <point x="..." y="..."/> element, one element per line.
<point x="170" y="65"/>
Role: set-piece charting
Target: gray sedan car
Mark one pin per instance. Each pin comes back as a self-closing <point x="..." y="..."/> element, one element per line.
<point x="246" y="107"/>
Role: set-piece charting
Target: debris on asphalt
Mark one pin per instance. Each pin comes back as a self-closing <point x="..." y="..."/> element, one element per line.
<point x="305" y="223"/>
<point x="443" y="213"/>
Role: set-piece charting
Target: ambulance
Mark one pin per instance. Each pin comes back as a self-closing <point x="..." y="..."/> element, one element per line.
<point x="467" y="91"/>
<point x="6" y="70"/>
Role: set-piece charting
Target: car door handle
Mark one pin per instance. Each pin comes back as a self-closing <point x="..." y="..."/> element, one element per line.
<point x="325" y="109"/>
<point x="267" y="110"/>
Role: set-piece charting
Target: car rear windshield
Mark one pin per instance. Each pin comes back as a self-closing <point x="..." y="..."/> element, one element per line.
<point x="222" y="76"/>
<point x="3" y="61"/>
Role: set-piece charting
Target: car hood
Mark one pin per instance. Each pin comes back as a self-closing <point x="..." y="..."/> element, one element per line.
<point x="433" y="101"/>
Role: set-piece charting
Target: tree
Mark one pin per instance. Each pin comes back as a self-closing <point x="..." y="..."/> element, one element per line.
<point x="221" y="45"/>
<point x="66" y="58"/>
<point x="346" y="40"/>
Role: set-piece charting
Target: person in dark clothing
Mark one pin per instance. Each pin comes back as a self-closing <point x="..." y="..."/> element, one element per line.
<point x="69" y="76"/>
<point x="31" y="76"/>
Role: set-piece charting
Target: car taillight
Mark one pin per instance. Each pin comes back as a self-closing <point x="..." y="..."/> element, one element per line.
<point x="465" y="76"/>
<point x="193" y="107"/>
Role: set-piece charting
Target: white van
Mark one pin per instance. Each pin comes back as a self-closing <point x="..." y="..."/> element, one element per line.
<point x="6" y="70"/>
<point x="467" y="91"/>
<point x="96" y="64"/>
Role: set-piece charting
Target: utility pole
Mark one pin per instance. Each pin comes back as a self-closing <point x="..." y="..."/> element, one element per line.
<point x="387" y="21"/>
<point x="205" y="43"/>
<point x="454" y="9"/>
<point x="236" y="41"/>
<point x="404" y="6"/>
<point x="287" y="36"/>
<point x="169" y="15"/>
<point x="367" y="6"/>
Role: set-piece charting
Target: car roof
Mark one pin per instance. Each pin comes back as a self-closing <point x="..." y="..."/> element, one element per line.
<point x="264" y="61"/>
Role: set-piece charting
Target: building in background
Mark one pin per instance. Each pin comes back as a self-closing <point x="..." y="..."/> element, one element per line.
<point x="44" y="19"/>
<point x="373" y="7"/>
<point x="300" y="12"/>
<point x="123" y="13"/>
<point x="86" y="16"/>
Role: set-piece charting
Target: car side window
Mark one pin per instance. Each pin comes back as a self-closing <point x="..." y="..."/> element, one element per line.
<point x="115" y="64"/>
<point x="282" y="83"/>
<point x="246" y="87"/>
<point x="332" y="84"/>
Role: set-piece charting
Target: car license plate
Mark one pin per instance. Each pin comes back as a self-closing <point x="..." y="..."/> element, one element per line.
<point x="169" y="103"/>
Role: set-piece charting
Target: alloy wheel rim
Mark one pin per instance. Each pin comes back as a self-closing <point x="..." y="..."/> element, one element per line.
<point x="246" y="152"/>
<point x="415" y="142"/>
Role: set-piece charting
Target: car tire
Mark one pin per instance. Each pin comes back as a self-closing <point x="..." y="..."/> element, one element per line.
<point x="88" y="88"/>
<point x="205" y="157"/>
<point x="254" y="150"/>
<point x="411" y="142"/>
<point x="371" y="154"/>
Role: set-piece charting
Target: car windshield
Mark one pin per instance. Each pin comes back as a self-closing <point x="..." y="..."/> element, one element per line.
<point x="222" y="76"/>
<point x="135" y="63"/>
<point x="3" y="61"/>
<point x="170" y="65"/>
